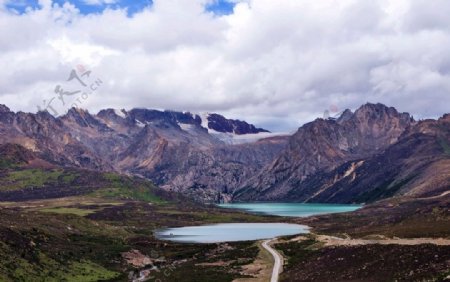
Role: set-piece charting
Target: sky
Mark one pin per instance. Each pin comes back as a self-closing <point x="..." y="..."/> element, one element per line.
<point x="277" y="64"/>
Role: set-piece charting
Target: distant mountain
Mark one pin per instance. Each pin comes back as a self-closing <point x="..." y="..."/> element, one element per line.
<point x="323" y="145"/>
<point x="177" y="150"/>
<point x="49" y="137"/>
<point x="362" y="156"/>
<point x="207" y="121"/>
<point x="372" y="154"/>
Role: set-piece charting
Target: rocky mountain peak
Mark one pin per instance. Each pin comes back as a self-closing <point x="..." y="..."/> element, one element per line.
<point x="221" y="124"/>
<point x="83" y="118"/>
<point x="45" y="115"/>
<point x="379" y="111"/>
<point x="76" y="112"/>
<point x="345" y="116"/>
<point x="445" y="118"/>
<point x="6" y="116"/>
<point x="373" y="111"/>
<point x="164" y="119"/>
<point x="78" y="116"/>
<point x="113" y="113"/>
<point x="4" y="109"/>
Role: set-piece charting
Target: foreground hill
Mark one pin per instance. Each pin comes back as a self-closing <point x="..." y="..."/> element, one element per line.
<point x="25" y="176"/>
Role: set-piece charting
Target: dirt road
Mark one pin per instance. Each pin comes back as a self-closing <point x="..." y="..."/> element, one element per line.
<point x="278" y="260"/>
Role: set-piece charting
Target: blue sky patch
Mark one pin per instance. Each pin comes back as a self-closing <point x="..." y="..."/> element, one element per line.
<point x="132" y="7"/>
<point x="221" y="7"/>
<point x="20" y="6"/>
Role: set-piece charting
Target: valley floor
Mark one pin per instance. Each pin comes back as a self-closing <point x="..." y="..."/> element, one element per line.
<point x="92" y="239"/>
<point x="97" y="237"/>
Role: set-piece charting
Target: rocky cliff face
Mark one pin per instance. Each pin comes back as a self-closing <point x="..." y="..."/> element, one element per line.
<point x="324" y="145"/>
<point x="216" y="172"/>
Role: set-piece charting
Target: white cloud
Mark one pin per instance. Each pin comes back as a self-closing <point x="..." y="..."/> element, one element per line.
<point x="71" y="52"/>
<point x="276" y="63"/>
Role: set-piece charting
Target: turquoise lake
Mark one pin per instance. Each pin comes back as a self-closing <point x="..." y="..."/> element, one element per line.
<point x="229" y="232"/>
<point x="291" y="209"/>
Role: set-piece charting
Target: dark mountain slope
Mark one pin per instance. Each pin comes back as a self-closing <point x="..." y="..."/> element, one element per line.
<point x="323" y="145"/>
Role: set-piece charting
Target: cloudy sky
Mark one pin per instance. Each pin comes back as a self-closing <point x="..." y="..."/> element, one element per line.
<point x="274" y="63"/>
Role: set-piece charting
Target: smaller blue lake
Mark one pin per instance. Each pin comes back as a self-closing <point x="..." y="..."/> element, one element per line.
<point x="291" y="209"/>
<point x="230" y="232"/>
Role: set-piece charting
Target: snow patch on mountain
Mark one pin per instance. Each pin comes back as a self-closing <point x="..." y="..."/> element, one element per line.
<point x="186" y="127"/>
<point x="120" y="113"/>
<point x="235" y="139"/>
<point x="204" y="117"/>
<point x="139" y="123"/>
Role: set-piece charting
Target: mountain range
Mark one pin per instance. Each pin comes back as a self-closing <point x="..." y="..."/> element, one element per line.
<point x="363" y="156"/>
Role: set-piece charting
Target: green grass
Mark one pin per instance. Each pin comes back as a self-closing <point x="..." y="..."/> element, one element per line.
<point x="32" y="177"/>
<point x="73" y="272"/>
<point x="6" y="164"/>
<point x="126" y="189"/>
<point x="40" y="267"/>
<point x="69" y="178"/>
<point x="20" y="179"/>
<point x="87" y="271"/>
<point x="112" y="177"/>
<point x="75" y="211"/>
<point x="129" y="193"/>
<point x="111" y="185"/>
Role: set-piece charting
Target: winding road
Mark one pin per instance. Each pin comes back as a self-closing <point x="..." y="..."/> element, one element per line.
<point x="277" y="257"/>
